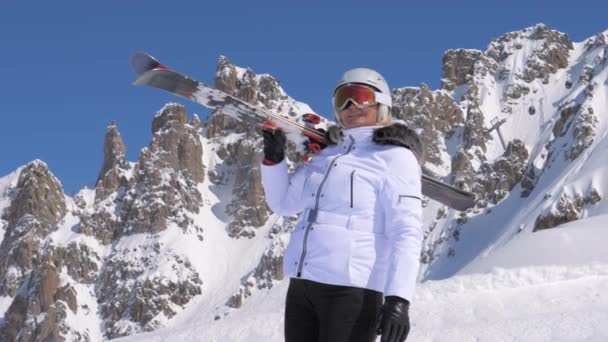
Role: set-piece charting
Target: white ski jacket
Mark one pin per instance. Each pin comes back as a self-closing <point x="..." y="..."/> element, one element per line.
<point x="360" y="212"/>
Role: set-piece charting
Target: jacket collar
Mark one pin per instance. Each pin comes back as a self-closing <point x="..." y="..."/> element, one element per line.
<point x="359" y="134"/>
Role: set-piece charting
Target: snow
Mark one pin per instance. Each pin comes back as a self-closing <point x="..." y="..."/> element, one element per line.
<point x="85" y="319"/>
<point x="541" y="287"/>
<point x="498" y="281"/>
<point x="5" y="303"/>
<point x="7" y="184"/>
<point x="526" y="304"/>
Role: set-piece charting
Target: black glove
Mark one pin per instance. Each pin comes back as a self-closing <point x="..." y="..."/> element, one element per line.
<point x="394" y="321"/>
<point x="400" y="135"/>
<point x="333" y="136"/>
<point x="274" y="146"/>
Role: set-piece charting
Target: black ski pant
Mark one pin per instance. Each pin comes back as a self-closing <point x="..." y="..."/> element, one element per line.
<point x="329" y="313"/>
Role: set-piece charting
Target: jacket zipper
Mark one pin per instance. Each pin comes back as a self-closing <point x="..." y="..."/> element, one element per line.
<point x="352" y="177"/>
<point x="312" y="215"/>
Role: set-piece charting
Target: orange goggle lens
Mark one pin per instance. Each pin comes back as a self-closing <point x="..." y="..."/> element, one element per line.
<point x="359" y="94"/>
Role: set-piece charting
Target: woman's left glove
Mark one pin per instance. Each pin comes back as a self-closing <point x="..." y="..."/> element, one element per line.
<point x="400" y="135"/>
<point x="274" y="146"/>
<point x="394" y="320"/>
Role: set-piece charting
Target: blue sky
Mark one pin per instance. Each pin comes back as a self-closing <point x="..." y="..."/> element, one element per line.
<point x="64" y="72"/>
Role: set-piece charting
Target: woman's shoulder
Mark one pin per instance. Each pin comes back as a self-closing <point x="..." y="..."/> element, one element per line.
<point x="397" y="155"/>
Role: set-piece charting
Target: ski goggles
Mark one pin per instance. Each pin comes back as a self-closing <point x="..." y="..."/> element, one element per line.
<point x="360" y="95"/>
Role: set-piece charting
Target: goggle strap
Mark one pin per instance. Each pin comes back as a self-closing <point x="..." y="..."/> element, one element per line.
<point x="384" y="99"/>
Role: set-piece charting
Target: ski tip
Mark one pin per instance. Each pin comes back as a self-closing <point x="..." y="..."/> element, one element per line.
<point x="142" y="62"/>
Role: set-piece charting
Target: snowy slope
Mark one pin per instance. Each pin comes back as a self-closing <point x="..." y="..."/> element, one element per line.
<point x="560" y="296"/>
<point x="7" y="184"/>
<point x="489" y="275"/>
<point x="496" y="279"/>
<point x="560" y="180"/>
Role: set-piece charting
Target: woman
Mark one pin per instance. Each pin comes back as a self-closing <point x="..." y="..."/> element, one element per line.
<point x="359" y="234"/>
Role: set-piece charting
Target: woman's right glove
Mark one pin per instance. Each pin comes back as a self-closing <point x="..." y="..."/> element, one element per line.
<point x="394" y="320"/>
<point x="274" y="146"/>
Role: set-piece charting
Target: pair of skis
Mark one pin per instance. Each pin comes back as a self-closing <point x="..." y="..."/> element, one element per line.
<point x="151" y="72"/>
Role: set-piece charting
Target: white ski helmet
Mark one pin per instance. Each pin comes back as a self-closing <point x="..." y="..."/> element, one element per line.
<point x="370" y="78"/>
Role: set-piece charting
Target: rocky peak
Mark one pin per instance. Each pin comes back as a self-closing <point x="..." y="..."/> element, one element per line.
<point x="167" y="174"/>
<point x="114" y="163"/>
<point x="39" y="194"/>
<point x="245" y="84"/>
<point x="600" y="40"/>
<point x="38" y="206"/>
<point x="176" y="142"/>
<point x="457" y="67"/>
<point x="172" y="115"/>
<point x="242" y="155"/>
<point x="546" y="51"/>
<point x="36" y="210"/>
<point x="433" y="112"/>
<point x="226" y="77"/>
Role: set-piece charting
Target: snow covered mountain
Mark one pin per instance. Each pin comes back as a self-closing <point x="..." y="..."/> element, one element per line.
<point x="179" y="245"/>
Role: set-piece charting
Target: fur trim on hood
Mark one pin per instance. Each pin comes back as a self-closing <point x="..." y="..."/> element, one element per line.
<point x="400" y="135"/>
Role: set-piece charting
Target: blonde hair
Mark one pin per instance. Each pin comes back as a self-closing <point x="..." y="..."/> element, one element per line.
<point x="384" y="117"/>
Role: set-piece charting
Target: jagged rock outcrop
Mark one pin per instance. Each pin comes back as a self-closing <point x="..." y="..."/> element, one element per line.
<point x="244" y="87"/>
<point x="550" y="51"/>
<point x="112" y="173"/>
<point x="131" y="300"/>
<point x="122" y="270"/>
<point x="434" y="113"/>
<point x="566" y="210"/>
<point x="30" y="273"/>
<point x="475" y="133"/>
<point x="38" y="207"/>
<point x="39" y="194"/>
<point x="457" y="67"/>
<point x="38" y="312"/>
<point x="249" y="211"/>
<point x="497" y="179"/>
<point x="248" y="207"/>
<point x="166" y="176"/>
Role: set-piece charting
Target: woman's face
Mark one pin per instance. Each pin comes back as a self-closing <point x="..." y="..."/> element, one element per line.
<point x="354" y="116"/>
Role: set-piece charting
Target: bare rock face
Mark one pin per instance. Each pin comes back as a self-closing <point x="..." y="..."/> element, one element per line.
<point x="497" y="179"/>
<point x="457" y="67"/>
<point x="101" y="224"/>
<point x="435" y="113"/>
<point x="162" y="186"/>
<point x="38" y="207"/>
<point x="566" y="210"/>
<point x="166" y="176"/>
<point x="475" y="133"/>
<point x="39" y="194"/>
<point x="562" y="125"/>
<point x="132" y="299"/>
<point x="38" y="312"/>
<point x="529" y="180"/>
<point x="551" y="51"/>
<point x="111" y="176"/>
<point x="463" y="173"/>
<point x="176" y="143"/>
<point x="248" y="207"/>
<point x="583" y="133"/>
<point x="226" y="78"/>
